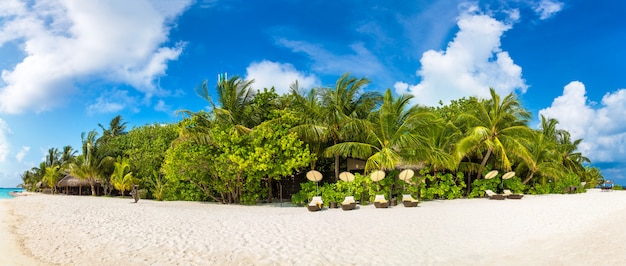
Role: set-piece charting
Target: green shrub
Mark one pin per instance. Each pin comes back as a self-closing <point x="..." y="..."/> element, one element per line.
<point x="307" y="191"/>
<point x="179" y="190"/>
<point x="443" y="186"/>
<point x="541" y="189"/>
<point x="330" y="193"/>
<point x="515" y="185"/>
<point x="570" y="180"/>
<point x="480" y="185"/>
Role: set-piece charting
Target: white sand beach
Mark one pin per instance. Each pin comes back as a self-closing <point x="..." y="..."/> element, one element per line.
<point x="11" y="251"/>
<point x="578" y="229"/>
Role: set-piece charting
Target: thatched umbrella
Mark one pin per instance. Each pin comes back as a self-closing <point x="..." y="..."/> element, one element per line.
<point x="377" y="176"/>
<point x="491" y="174"/>
<point x="507" y="176"/>
<point x="314" y="176"/>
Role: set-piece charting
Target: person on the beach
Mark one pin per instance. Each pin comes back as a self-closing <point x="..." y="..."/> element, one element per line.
<point x="135" y="193"/>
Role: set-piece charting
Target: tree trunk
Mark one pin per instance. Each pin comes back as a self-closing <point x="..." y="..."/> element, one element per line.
<point x="528" y="178"/>
<point x="336" y="167"/>
<point x="269" y="194"/>
<point x="93" y="188"/>
<point x="480" y="171"/>
<point x="483" y="163"/>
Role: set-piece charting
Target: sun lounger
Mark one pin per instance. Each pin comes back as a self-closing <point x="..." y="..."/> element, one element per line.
<point x="409" y="201"/>
<point x="348" y="203"/>
<point x="509" y="195"/>
<point x="380" y="201"/>
<point x="607" y="185"/>
<point x="493" y="195"/>
<point x="315" y="204"/>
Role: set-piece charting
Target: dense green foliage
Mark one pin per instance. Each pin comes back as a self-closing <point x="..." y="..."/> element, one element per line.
<point x="248" y="140"/>
<point x="145" y="147"/>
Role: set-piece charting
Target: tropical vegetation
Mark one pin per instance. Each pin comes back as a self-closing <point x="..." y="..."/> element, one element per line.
<point x="250" y="142"/>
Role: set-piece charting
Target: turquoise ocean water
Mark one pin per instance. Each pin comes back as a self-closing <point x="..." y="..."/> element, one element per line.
<point x="4" y="192"/>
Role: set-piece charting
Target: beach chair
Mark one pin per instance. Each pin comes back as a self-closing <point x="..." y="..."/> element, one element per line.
<point x="380" y="201"/>
<point x="409" y="201"/>
<point x="348" y="203"/>
<point x="315" y="204"/>
<point x="510" y="195"/>
<point x="607" y="185"/>
<point x="493" y="195"/>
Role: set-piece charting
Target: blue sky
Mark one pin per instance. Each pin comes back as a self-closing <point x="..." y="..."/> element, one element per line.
<point x="68" y="65"/>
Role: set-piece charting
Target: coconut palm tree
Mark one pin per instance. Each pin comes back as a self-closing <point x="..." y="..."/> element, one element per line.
<point x="67" y="156"/>
<point x="233" y="95"/>
<point x="542" y="150"/>
<point x="569" y="157"/>
<point x="593" y="176"/>
<point x="329" y="114"/>
<point x="53" y="157"/>
<point x="442" y="138"/>
<point x="498" y="127"/>
<point x="391" y="135"/>
<point x="116" y="128"/>
<point x="343" y="104"/>
<point x="93" y="161"/>
<point x="311" y="130"/>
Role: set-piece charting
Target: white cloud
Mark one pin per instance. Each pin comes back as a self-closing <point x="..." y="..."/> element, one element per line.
<point x="113" y="101"/>
<point x="572" y="110"/>
<point x="361" y="62"/>
<point x="472" y="62"/>
<point x="602" y="127"/>
<point x="547" y="8"/>
<point x="4" y="142"/>
<point x="514" y="15"/>
<point x="162" y="107"/>
<point x="171" y="9"/>
<point x="267" y="74"/>
<point x="20" y="155"/>
<point x="67" y="42"/>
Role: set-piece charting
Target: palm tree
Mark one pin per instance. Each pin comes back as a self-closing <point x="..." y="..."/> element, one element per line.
<point x="116" y="128"/>
<point x="38" y="173"/>
<point x="29" y="180"/>
<point x="234" y="95"/>
<point x="52" y="176"/>
<point x="122" y="178"/>
<point x="91" y="164"/>
<point x="328" y="113"/>
<point x="592" y="177"/>
<point x="341" y="105"/>
<point x="497" y="127"/>
<point x="442" y="138"/>
<point x="569" y="157"/>
<point x="312" y="130"/>
<point x="391" y="135"/>
<point x="67" y="156"/>
<point x="53" y="157"/>
<point x="542" y="150"/>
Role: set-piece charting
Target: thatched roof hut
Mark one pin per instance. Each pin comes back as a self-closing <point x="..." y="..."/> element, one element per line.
<point x="71" y="181"/>
<point x="73" y="185"/>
